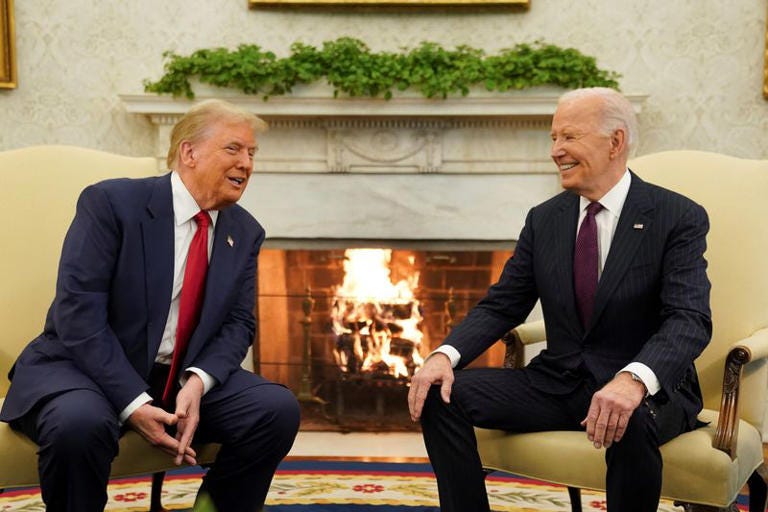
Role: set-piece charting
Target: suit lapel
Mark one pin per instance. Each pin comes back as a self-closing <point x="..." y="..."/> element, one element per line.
<point x="223" y="257"/>
<point x="564" y="241"/>
<point x="634" y="223"/>
<point x="158" y="236"/>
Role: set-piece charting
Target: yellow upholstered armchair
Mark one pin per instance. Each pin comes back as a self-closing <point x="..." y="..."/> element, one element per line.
<point x="40" y="186"/>
<point x="704" y="469"/>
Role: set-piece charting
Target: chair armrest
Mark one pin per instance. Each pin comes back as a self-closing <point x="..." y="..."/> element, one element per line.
<point x="756" y="345"/>
<point x="745" y="351"/>
<point x="517" y="338"/>
<point x="531" y="332"/>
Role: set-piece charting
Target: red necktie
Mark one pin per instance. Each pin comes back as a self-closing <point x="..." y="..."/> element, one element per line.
<point x="191" y="301"/>
<point x="585" y="264"/>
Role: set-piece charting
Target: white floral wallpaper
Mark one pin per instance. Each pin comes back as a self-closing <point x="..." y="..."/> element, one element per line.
<point x="700" y="61"/>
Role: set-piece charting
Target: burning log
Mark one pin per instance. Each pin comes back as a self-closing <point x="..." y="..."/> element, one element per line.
<point x="376" y="323"/>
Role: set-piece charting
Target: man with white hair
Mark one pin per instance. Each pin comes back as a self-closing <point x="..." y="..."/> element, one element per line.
<point x="618" y="265"/>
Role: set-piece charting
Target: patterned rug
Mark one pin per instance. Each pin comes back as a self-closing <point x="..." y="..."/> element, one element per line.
<point x="335" y="486"/>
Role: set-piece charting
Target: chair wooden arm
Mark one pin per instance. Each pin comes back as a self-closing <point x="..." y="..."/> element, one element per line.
<point x="517" y="338"/>
<point x="748" y="350"/>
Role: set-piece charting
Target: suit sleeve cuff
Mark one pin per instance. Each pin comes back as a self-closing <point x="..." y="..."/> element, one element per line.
<point x="137" y="402"/>
<point x="450" y="351"/>
<point x="208" y="380"/>
<point x="646" y="375"/>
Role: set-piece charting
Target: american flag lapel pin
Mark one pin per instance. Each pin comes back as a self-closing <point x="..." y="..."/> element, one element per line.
<point x="230" y="242"/>
<point x="637" y="226"/>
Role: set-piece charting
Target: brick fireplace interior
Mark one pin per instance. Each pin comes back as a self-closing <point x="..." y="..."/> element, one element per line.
<point x="300" y="341"/>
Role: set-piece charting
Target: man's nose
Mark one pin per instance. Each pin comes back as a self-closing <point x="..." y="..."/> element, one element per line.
<point x="245" y="161"/>
<point x="556" y="149"/>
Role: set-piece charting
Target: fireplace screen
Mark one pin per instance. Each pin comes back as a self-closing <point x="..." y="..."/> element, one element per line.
<point x="346" y="329"/>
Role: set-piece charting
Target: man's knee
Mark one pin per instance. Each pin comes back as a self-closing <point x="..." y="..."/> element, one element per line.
<point x="278" y="413"/>
<point x="435" y="411"/>
<point x="642" y="424"/>
<point x="78" y="422"/>
<point x="433" y="401"/>
<point x="285" y="411"/>
<point x="641" y="435"/>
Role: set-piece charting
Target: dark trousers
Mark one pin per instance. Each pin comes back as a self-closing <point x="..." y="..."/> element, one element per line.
<point x="504" y="399"/>
<point x="77" y="432"/>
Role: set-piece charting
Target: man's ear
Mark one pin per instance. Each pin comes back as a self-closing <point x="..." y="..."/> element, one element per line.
<point x="618" y="142"/>
<point x="187" y="155"/>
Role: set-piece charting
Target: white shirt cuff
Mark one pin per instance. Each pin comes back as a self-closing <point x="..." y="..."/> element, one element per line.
<point x="208" y="380"/>
<point x="137" y="402"/>
<point x="144" y="398"/>
<point x="451" y="352"/>
<point x="646" y="375"/>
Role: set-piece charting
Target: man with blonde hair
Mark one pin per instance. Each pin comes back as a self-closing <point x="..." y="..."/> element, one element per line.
<point x="618" y="265"/>
<point x="153" y="315"/>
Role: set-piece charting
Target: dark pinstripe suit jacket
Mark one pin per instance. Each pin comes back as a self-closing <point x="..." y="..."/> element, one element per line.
<point x="651" y="306"/>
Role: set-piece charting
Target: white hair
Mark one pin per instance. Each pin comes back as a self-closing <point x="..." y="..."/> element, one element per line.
<point x="617" y="111"/>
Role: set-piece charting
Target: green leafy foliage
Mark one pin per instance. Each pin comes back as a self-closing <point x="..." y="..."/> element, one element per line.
<point x="353" y="69"/>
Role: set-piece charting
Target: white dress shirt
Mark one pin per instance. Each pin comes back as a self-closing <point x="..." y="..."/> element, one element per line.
<point x="184" y="209"/>
<point x="606" y="219"/>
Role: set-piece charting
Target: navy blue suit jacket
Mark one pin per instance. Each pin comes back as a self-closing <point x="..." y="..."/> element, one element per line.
<point x="651" y="304"/>
<point x="113" y="295"/>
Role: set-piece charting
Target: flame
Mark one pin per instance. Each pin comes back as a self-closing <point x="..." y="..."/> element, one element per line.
<point x="370" y="313"/>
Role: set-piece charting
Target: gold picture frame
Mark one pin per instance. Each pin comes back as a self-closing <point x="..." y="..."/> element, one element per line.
<point x="7" y="46"/>
<point x="765" y="65"/>
<point x="414" y="3"/>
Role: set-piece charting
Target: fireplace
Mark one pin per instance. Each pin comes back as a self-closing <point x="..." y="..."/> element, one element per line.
<point x="444" y="184"/>
<point x="345" y="328"/>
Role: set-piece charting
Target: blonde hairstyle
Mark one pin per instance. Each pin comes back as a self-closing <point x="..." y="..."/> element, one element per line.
<point x="617" y="111"/>
<point x="193" y="126"/>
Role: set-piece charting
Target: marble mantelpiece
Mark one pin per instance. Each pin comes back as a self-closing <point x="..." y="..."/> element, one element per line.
<point x="408" y="169"/>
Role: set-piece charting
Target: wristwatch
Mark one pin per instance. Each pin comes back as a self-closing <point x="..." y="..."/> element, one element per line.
<point x="636" y="378"/>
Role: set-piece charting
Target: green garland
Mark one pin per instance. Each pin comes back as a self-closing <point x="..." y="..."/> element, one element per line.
<point x="351" y="68"/>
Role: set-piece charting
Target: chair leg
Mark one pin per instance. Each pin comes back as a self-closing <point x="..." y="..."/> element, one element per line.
<point x="156" y="498"/>
<point x="574" y="494"/>
<point x="758" y="489"/>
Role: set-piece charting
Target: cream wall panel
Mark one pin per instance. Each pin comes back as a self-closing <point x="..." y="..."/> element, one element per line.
<point x="700" y="61"/>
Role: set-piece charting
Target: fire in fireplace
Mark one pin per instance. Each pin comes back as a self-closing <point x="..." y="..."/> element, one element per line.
<point x="345" y="328"/>
<point x="376" y="323"/>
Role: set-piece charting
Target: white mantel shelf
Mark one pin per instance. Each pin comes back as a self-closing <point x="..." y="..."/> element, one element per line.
<point x="519" y="104"/>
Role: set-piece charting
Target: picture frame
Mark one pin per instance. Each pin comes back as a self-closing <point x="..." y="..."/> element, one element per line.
<point x="7" y="46"/>
<point x="765" y="64"/>
<point x="408" y="3"/>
